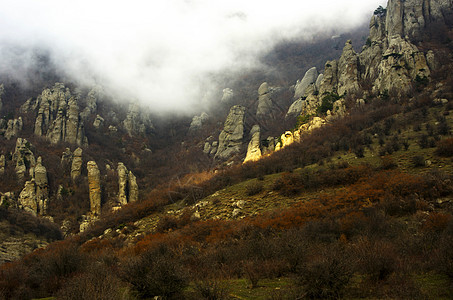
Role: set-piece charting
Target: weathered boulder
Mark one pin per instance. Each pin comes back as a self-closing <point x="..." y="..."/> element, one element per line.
<point x="265" y="104"/>
<point x="227" y="95"/>
<point x="268" y="145"/>
<point x="287" y="139"/>
<point x="23" y="157"/>
<point x="329" y="81"/>
<point x="348" y="70"/>
<point x="318" y="81"/>
<point x="98" y="122"/>
<point x="94" y="183"/>
<point x="231" y="137"/>
<point x="301" y="86"/>
<point x="198" y="121"/>
<point x="295" y="108"/>
<point x="253" y="149"/>
<point x="76" y="167"/>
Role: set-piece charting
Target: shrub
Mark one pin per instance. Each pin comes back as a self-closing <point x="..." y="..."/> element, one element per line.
<point x="326" y="274"/>
<point x="254" y="188"/>
<point x="327" y="103"/>
<point x="211" y="289"/>
<point x="445" y="147"/>
<point x="418" y="161"/>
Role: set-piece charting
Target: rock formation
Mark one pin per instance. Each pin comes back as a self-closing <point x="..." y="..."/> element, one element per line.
<point x="137" y="122"/>
<point x="57" y="115"/>
<point x="94" y="183"/>
<point x="301" y="86"/>
<point x="227" y="95"/>
<point x="127" y="185"/>
<point x="23" y="157"/>
<point x="348" y="71"/>
<point x="13" y="128"/>
<point x="2" y="164"/>
<point x="230" y="139"/>
<point x="66" y="158"/>
<point x="91" y="102"/>
<point x="98" y="122"/>
<point x="76" y="167"/>
<point x="35" y="194"/>
<point x="265" y="105"/>
<point x="253" y="149"/>
<point x="198" y="121"/>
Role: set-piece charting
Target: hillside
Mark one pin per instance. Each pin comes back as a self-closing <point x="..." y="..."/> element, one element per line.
<point x="337" y="185"/>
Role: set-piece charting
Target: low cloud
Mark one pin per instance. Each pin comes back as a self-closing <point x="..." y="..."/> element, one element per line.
<point x="161" y="52"/>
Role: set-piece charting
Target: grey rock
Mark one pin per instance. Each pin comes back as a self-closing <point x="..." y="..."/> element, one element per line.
<point x="34" y="196"/>
<point x="318" y="81"/>
<point x="265" y="105"/>
<point x="295" y="108"/>
<point x="137" y="121"/>
<point x="329" y="81"/>
<point x="348" y="70"/>
<point x="269" y="145"/>
<point x="133" y="187"/>
<point x="309" y="78"/>
<point x="66" y="158"/>
<point x="122" y="182"/>
<point x="231" y="137"/>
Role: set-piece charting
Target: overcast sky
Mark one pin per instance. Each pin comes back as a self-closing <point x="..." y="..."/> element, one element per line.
<point x="160" y="51"/>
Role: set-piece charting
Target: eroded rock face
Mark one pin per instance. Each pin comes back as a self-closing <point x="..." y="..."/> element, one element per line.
<point x="137" y="122"/>
<point x="231" y="137"/>
<point x="76" y="167"/>
<point x="91" y="102"/>
<point x="301" y="86"/>
<point x="329" y="81"/>
<point x="66" y="158"/>
<point x="295" y="108"/>
<point x="410" y="17"/>
<point x="94" y="183"/>
<point x="57" y="115"/>
<point x="127" y="185"/>
<point x="348" y="70"/>
<point x="198" y="121"/>
<point x="13" y="128"/>
<point x="23" y="157"/>
<point x="227" y="95"/>
<point x="265" y="105"/>
<point x="34" y="196"/>
<point x="253" y="149"/>
<point x="98" y="122"/>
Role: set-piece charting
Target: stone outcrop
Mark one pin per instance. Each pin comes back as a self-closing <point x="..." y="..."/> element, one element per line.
<point x="348" y="70"/>
<point x="98" y="122"/>
<point x="66" y="158"/>
<point x="265" y="104"/>
<point x="231" y="137"/>
<point x="23" y="157"/>
<point x="91" y="102"/>
<point x="198" y="121"/>
<point x="309" y="79"/>
<point x="13" y="128"/>
<point x="210" y="147"/>
<point x="227" y="95"/>
<point x="329" y="81"/>
<point x="410" y="17"/>
<point x="253" y="149"/>
<point x="137" y="122"/>
<point x="127" y="185"/>
<point x="295" y="109"/>
<point x="57" y="115"/>
<point x="35" y="194"/>
<point x="76" y="167"/>
<point x="94" y="183"/>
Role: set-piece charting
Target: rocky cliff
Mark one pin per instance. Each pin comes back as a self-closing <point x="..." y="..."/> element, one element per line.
<point x="231" y="137"/>
<point x="57" y="115"/>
